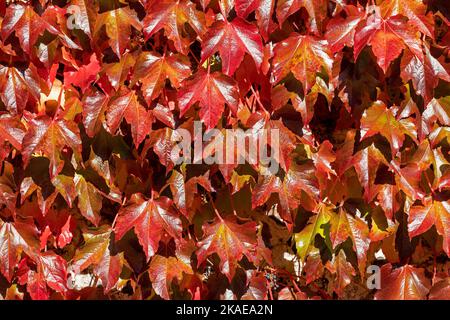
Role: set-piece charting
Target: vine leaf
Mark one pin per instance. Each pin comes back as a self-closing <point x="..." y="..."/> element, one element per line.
<point x="341" y="31"/>
<point x="118" y="23"/>
<point x="18" y="88"/>
<point x="153" y="70"/>
<point x="212" y="91"/>
<point x="150" y="219"/>
<point x="388" y="38"/>
<point x="422" y="218"/>
<point x="48" y="137"/>
<point x="172" y="17"/>
<point x="231" y="241"/>
<point x="26" y="24"/>
<point x="344" y="226"/>
<point x="127" y="107"/>
<point x="404" y="283"/>
<point x="97" y="252"/>
<point x="304" y="56"/>
<point x="305" y="239"/>
<point x="424" y="71"/>
<point x="163" y="271"/>
<point x="232" y="40"/>
<point x="15" y="238"/>
<point x="317" y="11"/>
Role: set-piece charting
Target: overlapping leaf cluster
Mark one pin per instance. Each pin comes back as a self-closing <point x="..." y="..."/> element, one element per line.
<point x="93" y="205"/>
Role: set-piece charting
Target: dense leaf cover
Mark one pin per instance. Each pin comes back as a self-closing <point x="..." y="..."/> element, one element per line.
<point x="93" y="206"/>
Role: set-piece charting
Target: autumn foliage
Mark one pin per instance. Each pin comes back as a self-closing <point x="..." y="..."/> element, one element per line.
<point x="93" y="206"/>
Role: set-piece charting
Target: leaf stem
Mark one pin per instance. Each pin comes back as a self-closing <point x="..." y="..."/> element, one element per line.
<point x="211" y="200"/>
<point x="114" y="222"/>
<point x="258" y="100"/>
<point x="193" y="55"/>
<point x="434" y="265"/>
<point x="270" y="289"/>
<point x="232" y="201"/>
<point x="164" y="187"/>
<point x="291" y="277"/>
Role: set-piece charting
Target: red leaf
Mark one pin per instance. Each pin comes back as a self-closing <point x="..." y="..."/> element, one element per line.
<point x="257" y="289"/>
<point x="172" y="16"/>
<point x="84" y="76"/>
<point x="299" y="178"/>
<point x="12" y="130"/>
<point x="316" y="9"/>
<point x="264" y="11"/>
<point x="341" y="31"/>
<point x="404" y="283"/>
<point x="343" y="270"/>
<point x="44" y="237"/>
<point x="87" y="14"/>
<point x="441" y="290"/>
<point x="26" y="23"/>
<point x="415" y="10"/>
<point x="424" y="71"/>
<point x="324" y="157"/>
<point x="163" y="271"/>
<point x="164" y="142"/>
<point x="388" y="198"/>
<point x="109" y="269"/>
<point x="212" y="91"/>
<point x="65" y="237"/>
<point x="118" y="73"/>
<point x="118" y="23"/>
<point x="97" y="252"/>
<point x="345" y="226"/>
<point x="231" y="241"/>
<point x="18" y="88"/>
<point x="36" y="286"/>
<point x="127" y="106"/>
<point x="366" y="164"/>
<point x="94" y="106"/>
<point x="150" y="219"/>
<point x="153" y="70"/>
<point x="54" y="270"/>
<point x="379" y="119"/>
<point x="184" y="192"/>
<point x="48" y="137"/>
<point x="232" y="40"/>
<point x="388" y="38"/>
<point x="346" y="115"/>
<point x="15" y="238"/>
<point x="313" y="266"/>
<point x="304" y="56"/>
<point x="422" y="218"/>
